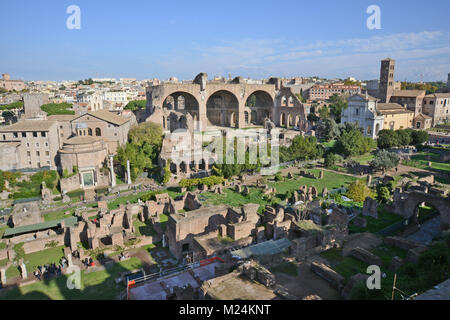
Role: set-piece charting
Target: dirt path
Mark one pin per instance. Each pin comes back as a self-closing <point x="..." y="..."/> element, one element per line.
<point x="306" y="283"/>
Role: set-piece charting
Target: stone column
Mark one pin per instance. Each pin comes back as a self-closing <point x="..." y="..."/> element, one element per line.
<point x="3" y="276"/>
<point x="240" y="116"/>
<point x="111" y="170"/>
<point x="128" y="178"/>
<point x="69" y="260"/>
<point x="23" y="269"/>
<point x="202" y="118"/>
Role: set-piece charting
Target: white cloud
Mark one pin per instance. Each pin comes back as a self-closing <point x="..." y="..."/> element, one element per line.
<point x="337" y="58"/>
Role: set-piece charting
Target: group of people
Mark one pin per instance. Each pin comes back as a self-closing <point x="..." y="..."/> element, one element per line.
<point x="88" y="262"/>
<point x="47" y="270"/>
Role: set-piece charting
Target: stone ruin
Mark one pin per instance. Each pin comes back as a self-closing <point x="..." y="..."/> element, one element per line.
<point x="25" y="214"/>
<point x="46" y="194"/>
<point x="370" y="208"/>
<point x="269" y="125"/>
<point x="256" y="272"/>
<point x="307" y="174"/>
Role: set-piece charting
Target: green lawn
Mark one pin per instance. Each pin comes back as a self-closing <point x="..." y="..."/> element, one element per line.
<point x="363" y="159"/>
<point x="233" y="198"/>
<point x="345" y="266"/>
<point x="143" y="228"/>
<point x="133" y="198"/>
<point x="421" y="160"/>
<point x="331" y="180"/>
<point x="286" y="267"/>
<point x="385" y="219"/>
<point x="57" y="215"/>
<point x="329" y="144"/>
<point x="98" y="285"/>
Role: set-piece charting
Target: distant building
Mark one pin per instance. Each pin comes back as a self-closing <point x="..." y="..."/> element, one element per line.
<point x="362" y="110"/>
<point x="395" y="116"/>
<point x="94" y="100"/>
<point x="324" y="92"/>
<point x="116" y="96"/>
<point x="422" y="122"/>
<point x="112" y="128"/>
<point x="8" y="84"/>
<point x="32" y="103"/>
<point x="386" y="85"/>
<point x="437" y="106"/>
<point x="35" y="144"/>
<point x="412" y="99"/>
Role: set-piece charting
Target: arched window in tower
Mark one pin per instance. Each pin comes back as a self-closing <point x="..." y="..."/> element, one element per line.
<point x="90" y="131"/>
<point x="98" y="132"/>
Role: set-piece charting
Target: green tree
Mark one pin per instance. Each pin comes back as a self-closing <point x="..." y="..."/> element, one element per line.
<point x="383" y="194"/>
<point x="419" y="136"/>
<point x="404" y="137"/>
<point x="167" y="174"/>
<point x="331" y="159"/>
<point x="328" y="129"/>
<point x="358" y="191"/>
<point x="385" y="160"/>
<point x="387" y="139"/>
<point x="136" y="105"/>
<point x="338" y="103"/>
<point x="301" y="148"/>
<point x="353" y="142"/>
<point x="324" y="113"/>
<point x="142" y="149"/>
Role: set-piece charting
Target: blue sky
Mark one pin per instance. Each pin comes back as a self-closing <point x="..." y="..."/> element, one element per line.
<point x="251" y="38"/>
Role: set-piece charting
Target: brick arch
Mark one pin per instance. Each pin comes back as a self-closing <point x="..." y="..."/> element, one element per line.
<point x="221" y="115"/>
<point x="191" y="102"/>
<point x="414" y="199"/>
<point x="271" y="95"/>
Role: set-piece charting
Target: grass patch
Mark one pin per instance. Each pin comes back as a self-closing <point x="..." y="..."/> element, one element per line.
<point x="233" y="198"/>
<point x="98" y="285"/>
<point x="345" y="266"/>
<point x="421" y="160"/>
<point x="331" y="180"/>
<point x="385" y="219"/>
<point x="286" y="267"/>
<point x="143" y="228"/>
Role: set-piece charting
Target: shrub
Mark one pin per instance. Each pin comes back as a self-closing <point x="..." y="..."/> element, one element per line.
<point x="358" y="191"/>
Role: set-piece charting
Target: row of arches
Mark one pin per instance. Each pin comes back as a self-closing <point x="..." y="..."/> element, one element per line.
<point x="90" y="132"/>
<point x="193" y="166"/>
<point x="289" y="120"/>
<point x="222" y="107"/>
<point x="287" y="102"/>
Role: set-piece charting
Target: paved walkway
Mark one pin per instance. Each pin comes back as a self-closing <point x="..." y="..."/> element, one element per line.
<point x="427" y="231"/>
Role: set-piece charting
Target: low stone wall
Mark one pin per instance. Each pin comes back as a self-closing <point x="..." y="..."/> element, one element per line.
<point x="3" y="254"/>
<point x="352" y="282"/>
<point x="414" y="254"/>
<point x="38" y="245"/>
<point x="401" y="243"/>
<point x="365" y="256"/>
<point x="323" y="271"/>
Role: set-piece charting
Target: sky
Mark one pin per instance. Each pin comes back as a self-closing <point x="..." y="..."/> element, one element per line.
<point x="249" y="38"/>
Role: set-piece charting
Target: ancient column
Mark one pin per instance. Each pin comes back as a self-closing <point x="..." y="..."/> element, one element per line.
<point x="23" y="268"/>
<point x="111" y="170"/>
<point x="3" y="276"/>
<point x="128" y="172"/>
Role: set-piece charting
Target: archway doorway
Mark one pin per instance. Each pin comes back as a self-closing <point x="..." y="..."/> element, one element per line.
<point x="260" y="103"/>
<point x="220" y="108"/>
